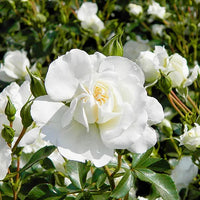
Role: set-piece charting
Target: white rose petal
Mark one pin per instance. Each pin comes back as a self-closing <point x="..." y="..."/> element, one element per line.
<point x="5" y="158"/>
<point x="135" y="9"/>
<point x="184" y="172"/>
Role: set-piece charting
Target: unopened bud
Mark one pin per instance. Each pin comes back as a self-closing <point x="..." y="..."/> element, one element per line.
<point x="165" y="84"/>
<point x="114" y="46"/>
<point x="37" y="85"/>
<point x="8" y="133"/>
<point x="25" y="114"/>
<point x="10" y="110"/>
<point x="166" y="127"/>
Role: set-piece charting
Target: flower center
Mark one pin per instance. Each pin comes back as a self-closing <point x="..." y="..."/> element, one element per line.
<point x="100" y="93"/>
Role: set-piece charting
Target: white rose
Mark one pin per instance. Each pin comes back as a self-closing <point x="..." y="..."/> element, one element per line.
<point x="184" y="172"/>
<point x="87" y="15"/>
<point x="158" y="29"/>
<point x="108" y="109"/>
<point x="191" y="138"/>
<point x="135" y="9"/>
<point x="156" y="10"/>
<point x="5" y="158"/>
<point x="149" y="63"/>
<point x="133" y="48"/>
<point x="14" y="67"/>
<point x="177" y="70"/>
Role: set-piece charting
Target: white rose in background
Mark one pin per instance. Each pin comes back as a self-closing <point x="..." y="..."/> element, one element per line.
<point x="197" y="1"/>
<point x="5" y="158"/>
<point x="174" y="66"/>
<point x="149" y="63"/>
<point x="135" y="9"/>
<point x="109" y="108"/>
<point x="133" y="48"/>
<point x="14" y="66"/>
<point x="191" y="138"/>
<point x="156" y="10"/>
<point x="184" y="172"/>
<point x="157" y="29"/>
<point x="177" y="70"/>
<point x="87" y="15"/>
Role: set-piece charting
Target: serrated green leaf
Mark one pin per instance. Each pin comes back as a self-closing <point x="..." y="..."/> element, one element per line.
<point x="45" y="192"/>
<point x="139" y="159"/>
<point x="39" y="155"/>
<point x="123" y="186"/>
<point x="162" y="182"/>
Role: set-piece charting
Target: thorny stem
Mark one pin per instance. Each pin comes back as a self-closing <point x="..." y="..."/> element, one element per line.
<point x="110" y="179"/>
<point x="19" y="139"/>
<point x="174" y="105"/>
<point x="180" y="102"/>
<point x="193" y="104"/>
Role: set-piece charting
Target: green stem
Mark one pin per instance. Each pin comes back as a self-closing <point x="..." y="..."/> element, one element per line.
<point x="110" y="179"/>
<point x="19" y="139"/>
<point x="118" y="165"/>
<point x="174" y="105"/>
<point x="193" y="104"/>
<point x="175" y="146"/>
<point x="182" y="105"/>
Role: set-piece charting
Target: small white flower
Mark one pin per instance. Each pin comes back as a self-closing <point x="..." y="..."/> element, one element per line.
<point x="197" y="1"/>
<point x="184" y="172"/>
<point x="158" y="29"/>
<point x="104" y="112"/>
<point x="191" y="138"/>
<point x="14" y="66"/>
<point x="5" y="158"/>
<point x="156" y="10"/>
<point x="87" y="15"/>
<point x="135" y="9"/>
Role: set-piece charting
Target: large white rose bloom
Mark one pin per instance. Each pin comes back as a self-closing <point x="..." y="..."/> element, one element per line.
<point x="191" y="138"/>
<point x="87" y="15"/>
<point x="184" y="172"/>
<point x="156" y="10"/>
<point x="5" y="158"/>
<point x="14" y="67"/>
<point x="96" y="104"/>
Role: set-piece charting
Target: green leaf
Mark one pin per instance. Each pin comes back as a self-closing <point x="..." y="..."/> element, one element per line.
<point x="77" y="173"/>
<point x="47" y="41"/>
<point x="162" y="182"/>
<point x="139" y="159"/>
<point x="123" y="186"/>
<point x="39" y="155"/>
<point x="45" y="192"/>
